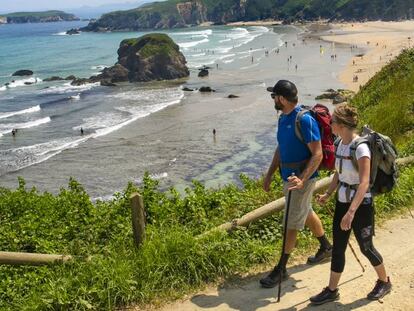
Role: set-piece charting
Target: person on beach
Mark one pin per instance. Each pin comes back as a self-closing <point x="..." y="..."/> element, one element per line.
<point x="354" y="207"/>
<point x="292" y="156"/>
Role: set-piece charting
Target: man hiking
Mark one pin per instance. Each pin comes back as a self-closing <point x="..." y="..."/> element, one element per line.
<point x="298" y="163"/>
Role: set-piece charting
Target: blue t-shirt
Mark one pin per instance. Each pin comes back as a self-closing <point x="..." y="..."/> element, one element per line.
<point x="290" y="147"/>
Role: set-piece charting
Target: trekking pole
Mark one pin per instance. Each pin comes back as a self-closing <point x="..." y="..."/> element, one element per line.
<point x="350" y="245"/>
<point x="284" y="240"/>
<point x="409" y="209"/>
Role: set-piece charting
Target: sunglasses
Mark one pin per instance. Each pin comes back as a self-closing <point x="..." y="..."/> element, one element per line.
<point x="273" y="95"/>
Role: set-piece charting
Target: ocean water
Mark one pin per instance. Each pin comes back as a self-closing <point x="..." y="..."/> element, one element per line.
<point x="155" y="127"/>
<point x="51" y="114"/>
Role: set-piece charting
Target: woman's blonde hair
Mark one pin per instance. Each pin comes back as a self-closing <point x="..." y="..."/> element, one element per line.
<point x="346" y="115"/>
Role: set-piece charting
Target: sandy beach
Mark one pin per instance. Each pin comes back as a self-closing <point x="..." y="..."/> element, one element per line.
<point x="383" y="41"/>
<point x="266" y="22"/>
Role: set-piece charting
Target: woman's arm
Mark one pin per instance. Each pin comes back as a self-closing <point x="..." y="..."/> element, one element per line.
<point x="323" y="198"/>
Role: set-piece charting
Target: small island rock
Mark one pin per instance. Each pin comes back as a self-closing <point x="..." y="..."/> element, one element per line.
<point x="23" y="72"/>
<point x="206" y="89"/>
<point x="203" y="73"/>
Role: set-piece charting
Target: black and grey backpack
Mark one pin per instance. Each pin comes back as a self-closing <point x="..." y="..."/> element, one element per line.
<point x="384" y="171"/>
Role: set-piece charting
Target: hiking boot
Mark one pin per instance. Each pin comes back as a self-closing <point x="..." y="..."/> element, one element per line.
<point x="326" y="295"/>
<point x="381" y="288"/>
<point x="321" y="255"/>
<point x="273" y="278"/>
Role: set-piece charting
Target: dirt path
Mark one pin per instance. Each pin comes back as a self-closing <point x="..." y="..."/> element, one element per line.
<point x="395" y="242"/>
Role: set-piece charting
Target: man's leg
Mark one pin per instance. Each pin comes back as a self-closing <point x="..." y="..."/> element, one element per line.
<point x="279" y="270"/>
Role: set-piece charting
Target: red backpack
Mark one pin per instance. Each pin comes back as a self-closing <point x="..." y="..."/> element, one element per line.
<point x="322" y="116"/>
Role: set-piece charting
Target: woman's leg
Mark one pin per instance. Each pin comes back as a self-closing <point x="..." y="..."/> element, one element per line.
<point x="363" y="227"/>
<point x="340" y="242"/>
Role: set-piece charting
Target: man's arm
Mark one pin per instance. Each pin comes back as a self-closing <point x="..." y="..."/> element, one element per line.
<point x="315" y="148"/>
<point x="272" y="169"/>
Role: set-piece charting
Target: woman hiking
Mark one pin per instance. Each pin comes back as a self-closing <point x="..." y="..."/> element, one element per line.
<point x="354" y="207"/>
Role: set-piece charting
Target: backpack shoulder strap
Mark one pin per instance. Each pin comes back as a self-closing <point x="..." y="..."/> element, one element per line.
<point x="298" y="125"/>
<point x="337" y="142"/>
<point x="353" y="148"/>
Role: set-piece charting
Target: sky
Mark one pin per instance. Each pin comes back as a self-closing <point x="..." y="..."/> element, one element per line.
<point x="42" y="5"/>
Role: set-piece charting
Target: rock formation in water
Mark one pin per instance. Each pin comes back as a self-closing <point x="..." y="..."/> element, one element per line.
<point x="150" y="57"/>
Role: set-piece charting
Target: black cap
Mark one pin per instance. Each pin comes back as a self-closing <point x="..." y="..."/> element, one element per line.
<point x="286" y="89"/>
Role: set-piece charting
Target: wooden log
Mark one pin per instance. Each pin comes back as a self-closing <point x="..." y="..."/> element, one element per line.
<point x="14" y="258"/>
<point x="138" y="219"/>
<point x="266" y="210"/>
<point x="279" y="204"/>
<point x="405" y="161"/>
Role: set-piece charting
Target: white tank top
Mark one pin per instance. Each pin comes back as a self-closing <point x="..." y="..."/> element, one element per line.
<point x="349" y="174"/>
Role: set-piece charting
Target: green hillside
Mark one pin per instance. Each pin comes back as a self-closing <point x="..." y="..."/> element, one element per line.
<point x="386" y="101"/>
<point x="180" y="13"/>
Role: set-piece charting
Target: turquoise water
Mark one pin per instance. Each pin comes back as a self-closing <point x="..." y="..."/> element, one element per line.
<point x="154" y="127"/>
<point x="49" y="116"/>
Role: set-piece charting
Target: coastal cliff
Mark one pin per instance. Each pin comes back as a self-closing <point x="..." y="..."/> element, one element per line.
<point x="171" y="14"/>
<point x="37" y="17"/>
<point x="183" y="13"/>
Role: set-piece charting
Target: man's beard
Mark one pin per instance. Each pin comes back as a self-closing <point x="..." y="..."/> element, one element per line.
<point x="278" y="106"/>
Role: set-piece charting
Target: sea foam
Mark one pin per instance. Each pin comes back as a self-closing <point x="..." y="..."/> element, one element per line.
<point x="4" y="115"/>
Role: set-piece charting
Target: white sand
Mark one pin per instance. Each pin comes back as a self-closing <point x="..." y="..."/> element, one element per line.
<point x="385" y="40"/>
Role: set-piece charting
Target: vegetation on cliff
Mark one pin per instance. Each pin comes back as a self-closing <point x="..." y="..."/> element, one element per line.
<point x="39" y="17"/>
<point x="154" y="56"/>
<point x="172" y="261"/>
<point x="386" y="101"/>
<point x="180" y="13"/>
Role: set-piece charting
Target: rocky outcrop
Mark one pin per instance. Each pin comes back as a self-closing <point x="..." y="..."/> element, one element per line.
<point x="192" y="12"/>
<point x="203" y="73"/>
<point x="170" y="14"/>
<point x="23" y="72"/>
<point x="73" y="31"/>
<point x="54" y="78"/>
<point x="206" y="89"/>
<point x="3" y="20"/>
<point x="150" y="57"/>
<point x="187" y="89"/>
<point x="116" y="73"/>
<point x="338" y="96"/>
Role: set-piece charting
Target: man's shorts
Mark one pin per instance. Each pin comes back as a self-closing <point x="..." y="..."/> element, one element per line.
<point x="300" y="204"/>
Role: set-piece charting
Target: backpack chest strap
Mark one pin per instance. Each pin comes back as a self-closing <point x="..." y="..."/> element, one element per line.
<point x="341" y="158"/>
